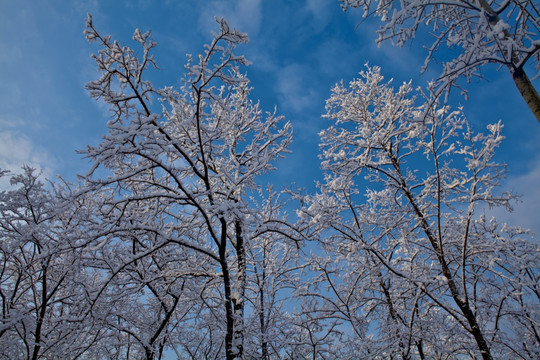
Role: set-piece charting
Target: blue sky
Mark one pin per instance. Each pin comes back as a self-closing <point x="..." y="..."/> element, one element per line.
<point x="299" y="50"/>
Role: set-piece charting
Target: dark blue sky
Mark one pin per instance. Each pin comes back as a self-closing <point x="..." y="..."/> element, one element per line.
<point x="299" y="50"/>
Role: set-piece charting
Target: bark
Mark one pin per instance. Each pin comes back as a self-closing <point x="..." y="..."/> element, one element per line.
<point x="239" y="294"/>
<point x="420" y="350"/>
<point x="234" y="300"/>
<point x="230" y="354"/>
<point x="527" y="91"/>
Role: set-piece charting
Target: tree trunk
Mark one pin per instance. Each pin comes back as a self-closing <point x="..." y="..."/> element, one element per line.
<point x="394" y="317"/>
<point x="522" y="81"/>
<point x="527" y="91"/>
<point x="239" y="293"/>
<point x="42" y="311"/>
<point x="262" y="320"/>
<point x="230" y="352"/>
<point x="234" y="297"/>
<point x="420" y="349"/>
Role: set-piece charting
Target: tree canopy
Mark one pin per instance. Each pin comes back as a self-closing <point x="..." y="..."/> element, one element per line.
<point x="173" y="245"/>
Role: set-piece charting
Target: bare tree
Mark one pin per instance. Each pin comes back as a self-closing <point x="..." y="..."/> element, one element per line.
<point x="480" y="32"/>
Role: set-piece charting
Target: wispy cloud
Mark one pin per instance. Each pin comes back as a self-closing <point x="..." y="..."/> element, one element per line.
<point x="244" y="15"/>
<point x="527" y="211"/>
<point x="17" y="150"/>
<point x="319" y="9"/>
<point x="293" y="88"/>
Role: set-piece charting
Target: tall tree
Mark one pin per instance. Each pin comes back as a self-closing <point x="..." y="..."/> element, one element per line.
<point x="178" y="175"/>
<point x="479" y="32"/>
<point x="414" y="254"/>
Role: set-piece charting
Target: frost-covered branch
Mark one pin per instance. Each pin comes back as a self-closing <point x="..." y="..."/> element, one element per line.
<point x="400" y="216"/>
<point x="503" y="32"/>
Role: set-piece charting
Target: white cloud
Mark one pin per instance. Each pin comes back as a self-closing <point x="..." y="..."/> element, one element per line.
<point x="320" y="11"/>
<point x="527" y="212"/>
<point x="244" y="15"/>
<point x="338" y="61"/>
<point x="293" y="87"/>
<point x="17" y="150"/>
<point x="317" y="6"/>
<point x="527" y="209"/>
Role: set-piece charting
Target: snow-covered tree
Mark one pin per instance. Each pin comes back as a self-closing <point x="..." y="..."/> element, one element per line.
<point x="41" y="279"/>
<point x="273" y="275"/>
<point x="173" y="178"/>
<point x="413" y="266"/>
<point x="476" y="32"/>
<point x="145" y="302"/>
